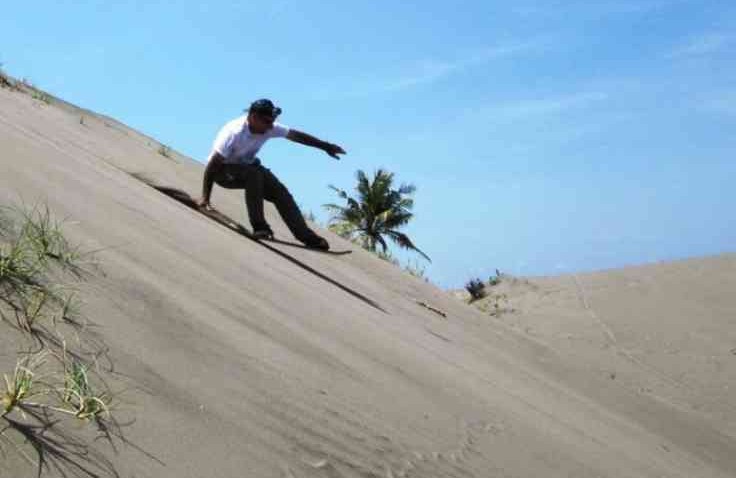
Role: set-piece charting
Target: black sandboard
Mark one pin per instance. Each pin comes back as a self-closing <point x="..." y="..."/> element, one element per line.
<point x="223" y="219"/>
<point x="227" y="221"/>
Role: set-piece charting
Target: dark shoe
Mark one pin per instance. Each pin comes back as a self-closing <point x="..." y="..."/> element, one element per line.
<point x="263" y="234"/>
<point x="318" y="243"/>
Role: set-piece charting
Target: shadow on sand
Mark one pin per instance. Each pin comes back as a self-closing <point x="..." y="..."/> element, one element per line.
<point x="224" y="220"/>
<point x="60" y="451"/>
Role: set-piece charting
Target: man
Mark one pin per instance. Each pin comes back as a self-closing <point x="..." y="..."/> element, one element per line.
<point x="233" y="165"/>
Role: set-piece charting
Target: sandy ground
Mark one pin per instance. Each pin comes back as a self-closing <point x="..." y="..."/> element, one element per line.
<point x="235" y="361"/>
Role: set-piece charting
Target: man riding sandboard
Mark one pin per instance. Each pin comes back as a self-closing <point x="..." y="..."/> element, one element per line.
<point x="233" y="164"/>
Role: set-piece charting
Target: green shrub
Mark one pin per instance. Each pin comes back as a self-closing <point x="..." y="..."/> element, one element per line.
<point x="476" y="288"/>
<point x="41" y="96"/>
<point x="495" y="280"/>
<point x="164" y="151"/>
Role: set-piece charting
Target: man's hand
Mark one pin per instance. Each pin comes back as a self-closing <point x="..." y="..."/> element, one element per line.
<point x="203" y="203"/>
<point x="214" y="163"/>
<point x="333" y="150"/>
<point x="309" y="140"/>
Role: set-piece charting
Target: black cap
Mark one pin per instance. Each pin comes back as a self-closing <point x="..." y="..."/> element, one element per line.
<point x="264" y="107"/>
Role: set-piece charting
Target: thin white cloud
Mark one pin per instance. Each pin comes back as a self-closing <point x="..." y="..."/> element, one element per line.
<point x="431" y="70"/>
<point x="428" y="71"/>
<point x="425" y="71"/>
<point x="705" y="44"/>
<point x="551" y="120"/>
<point x="545" y="106"/>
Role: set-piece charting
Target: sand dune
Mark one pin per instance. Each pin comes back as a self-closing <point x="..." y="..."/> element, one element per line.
<point x="237" y="361"/>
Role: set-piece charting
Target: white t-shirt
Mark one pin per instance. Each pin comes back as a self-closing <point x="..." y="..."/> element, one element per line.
<point x="238" y="145"/>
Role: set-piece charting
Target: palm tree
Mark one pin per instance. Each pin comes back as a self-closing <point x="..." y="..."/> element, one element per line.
<point x="378" y="211"/>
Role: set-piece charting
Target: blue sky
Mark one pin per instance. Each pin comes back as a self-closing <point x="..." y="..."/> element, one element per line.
<point x="543" y="137"/>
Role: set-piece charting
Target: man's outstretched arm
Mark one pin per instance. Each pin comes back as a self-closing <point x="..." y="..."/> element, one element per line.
<point x="213" y="164"/>
<point x="309" y="140"/>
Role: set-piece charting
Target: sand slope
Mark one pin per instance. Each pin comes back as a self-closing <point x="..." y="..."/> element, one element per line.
<point x="239" y="362"/>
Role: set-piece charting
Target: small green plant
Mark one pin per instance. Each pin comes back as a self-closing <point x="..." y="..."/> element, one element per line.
<point x="30" y="254"/>
<point x="476" y="288"/>
<point x="34" y="304"/>
<point x="164" y="151"/>
<point x="79" y="395"/>
<point x="495" y="280"/>
<point x="76" y="397"/>
<point x="69" y="310"/>
<point x="41" y="96"/>
<point x="43" y="235"/>
<point x="18" y="387"/>
<point x="13" y="264"/>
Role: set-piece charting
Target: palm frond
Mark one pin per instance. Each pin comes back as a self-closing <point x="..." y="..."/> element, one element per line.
<point x="406" y="189"/>
<point x="397" y="219"/>
<point x="334" y="208"/>
<point x="403" y="241"/>
<point x="382" y="242"/>
<point x="378" y="210"/>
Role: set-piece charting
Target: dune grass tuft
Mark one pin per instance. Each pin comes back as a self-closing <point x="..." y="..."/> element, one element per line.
<point x="79" y="394"/>
<point x="17" y="387"/>
<point x="41" y="96"/>
<point x="39" y="270"/>
<point x="33" y="251"/>
<point x="41" y="233"/>
<point x="164" y="151"/>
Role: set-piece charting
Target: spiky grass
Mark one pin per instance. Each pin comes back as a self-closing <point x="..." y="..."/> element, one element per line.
<point x="30" y="254"/>
<point x="45" y="314"/>
<point x="37" y="298"/>
<point x="24" y="390"/>
<point x="19" y="387"/>
<point x="41" y="96"/>
<point x="27" y="251"/>
<point x="80" y="396"/>
<point x="41" y="234"/>
<point x="34" y="304"/>
<point x="21" y="287"/>
<point x="15" y="267"/>
<point x="69" y="311"/>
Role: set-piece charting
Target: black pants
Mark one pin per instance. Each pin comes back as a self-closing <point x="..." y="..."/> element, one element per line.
<point x="259" y="184"/>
